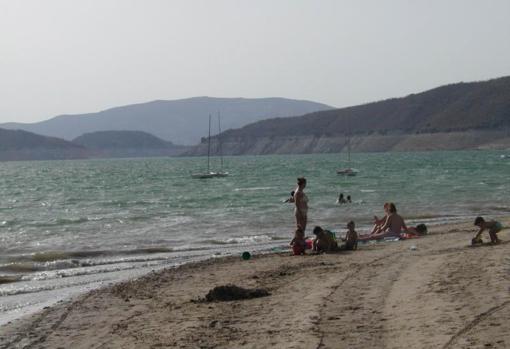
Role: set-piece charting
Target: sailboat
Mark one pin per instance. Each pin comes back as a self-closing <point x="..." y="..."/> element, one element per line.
<point x="220" y="173"/>
<point x="209" y="173"/>
<point x="348" y="171"/>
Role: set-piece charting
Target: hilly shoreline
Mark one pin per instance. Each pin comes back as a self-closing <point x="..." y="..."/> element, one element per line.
<point x="460" y="116"/>
<point x="182" y="121"/>
<point x="19" y="145"/>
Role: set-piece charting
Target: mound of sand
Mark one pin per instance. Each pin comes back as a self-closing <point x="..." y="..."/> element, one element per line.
<point x="233" y="292"/>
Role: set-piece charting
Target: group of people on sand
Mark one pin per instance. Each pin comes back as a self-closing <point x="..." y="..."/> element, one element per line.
<point x="325" y="240"/>
<point x="392" y="225"/>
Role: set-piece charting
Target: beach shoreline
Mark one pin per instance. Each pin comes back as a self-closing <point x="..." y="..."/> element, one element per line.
<point x="431" y="292"/>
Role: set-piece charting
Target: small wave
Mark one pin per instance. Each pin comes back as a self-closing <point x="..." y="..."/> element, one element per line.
<point x="19" y="267"/>
<point x="114" y="203"/>
<point x="214" y="242"/>
<point x="64" y="221"/>
<point x="7" y="223"/>
<point x="39" y="288"/>
<point x="423" y="216"/>
<point x="499" y="208"/>
<point x="6" y="279"/>
<point x="49" y="256"/>
<point x="30" y="267"/>
<point x="367" y="190"/>
<point x="59" y="222"/>
<point x="253" y="188"/>
<point x="249" y="239"/>
<point x="33" y="267"/>
<point x="23" y="262"/>
<point x="241" y="240"/>
<point x="137" y="218"/>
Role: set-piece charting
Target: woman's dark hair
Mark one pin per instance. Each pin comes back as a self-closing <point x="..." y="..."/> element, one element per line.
<point x="479" y="220"/>
<point x="392" y="208"/>
<point x="317" y="230"/>
<point x="301" y="180"/>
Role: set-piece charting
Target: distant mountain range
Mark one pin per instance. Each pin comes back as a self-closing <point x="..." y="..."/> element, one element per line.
<point x="182" y="121"/>
<point x="112" y="144"/>
<point x="22" y="145"/>
<point x="458" y="116"/>
<point x="472" y="115"/>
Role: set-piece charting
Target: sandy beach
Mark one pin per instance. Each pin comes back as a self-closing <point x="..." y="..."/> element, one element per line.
<point x="443" y="294"/>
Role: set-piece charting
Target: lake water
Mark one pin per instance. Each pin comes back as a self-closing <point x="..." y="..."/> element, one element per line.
<point x="69" y="226"/>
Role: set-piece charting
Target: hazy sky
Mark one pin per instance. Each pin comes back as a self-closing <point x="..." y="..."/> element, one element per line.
<point x="76" y="56"/>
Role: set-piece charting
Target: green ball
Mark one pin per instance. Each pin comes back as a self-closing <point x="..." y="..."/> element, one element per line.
<point x="246" y="255"/>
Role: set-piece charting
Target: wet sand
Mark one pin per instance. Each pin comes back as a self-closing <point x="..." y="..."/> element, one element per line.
<point x="444" y="294"/>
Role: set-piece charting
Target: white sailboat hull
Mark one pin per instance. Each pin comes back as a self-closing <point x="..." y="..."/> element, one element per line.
<point x="209" y="175"/>
<point x="347" y="172"/>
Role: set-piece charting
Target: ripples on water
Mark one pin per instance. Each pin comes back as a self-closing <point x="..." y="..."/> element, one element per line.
<point x="69" y="225"/>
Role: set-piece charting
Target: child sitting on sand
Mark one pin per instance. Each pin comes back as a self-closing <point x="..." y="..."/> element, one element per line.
<point x="324" y="241"/>
<point x="493" y="226"/>
<point x="351" y="237"/>
<point x="298" y="244"/>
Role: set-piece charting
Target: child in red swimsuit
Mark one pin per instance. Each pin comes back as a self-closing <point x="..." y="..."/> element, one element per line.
<point x="298" y="243"/>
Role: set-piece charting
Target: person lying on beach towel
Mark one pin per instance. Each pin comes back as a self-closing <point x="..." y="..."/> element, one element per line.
<point x="414" y="232"/>
<point x="494" y="227"/>
<point x="324" y="240"/>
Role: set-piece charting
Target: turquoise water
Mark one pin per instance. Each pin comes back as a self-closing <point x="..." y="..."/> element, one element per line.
<point x="67" y="226"/>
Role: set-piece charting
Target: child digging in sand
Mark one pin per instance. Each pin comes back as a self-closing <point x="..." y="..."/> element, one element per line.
<point x="324" y="241"/>
<point x="493" y="226"/>
<point x="298" y="244"/>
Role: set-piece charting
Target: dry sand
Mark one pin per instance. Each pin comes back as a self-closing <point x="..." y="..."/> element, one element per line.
<point x="444" y="294"/>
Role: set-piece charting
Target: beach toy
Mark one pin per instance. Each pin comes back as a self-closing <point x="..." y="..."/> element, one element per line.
<point x="246" y="255"/>
<point x="308" y="244"/>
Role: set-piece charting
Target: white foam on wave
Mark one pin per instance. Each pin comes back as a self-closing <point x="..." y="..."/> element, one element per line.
<point x="254" y="188"/>
<point x="249" y="239"/>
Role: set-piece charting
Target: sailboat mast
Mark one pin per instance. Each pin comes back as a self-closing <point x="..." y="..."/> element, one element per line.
<point x="348" y="141"/>
<point x="209" y="146"/>
<point x="349" y="148"/>
<point x="219" y="140"/>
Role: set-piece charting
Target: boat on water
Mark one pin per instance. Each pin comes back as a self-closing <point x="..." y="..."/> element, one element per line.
<point x="220" y="173"/>
<point x="348" y="171"/>
<point x="209" y="173"/>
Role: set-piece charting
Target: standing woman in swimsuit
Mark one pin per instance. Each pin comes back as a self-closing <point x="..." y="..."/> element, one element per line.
<point x="301" y="201"/>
